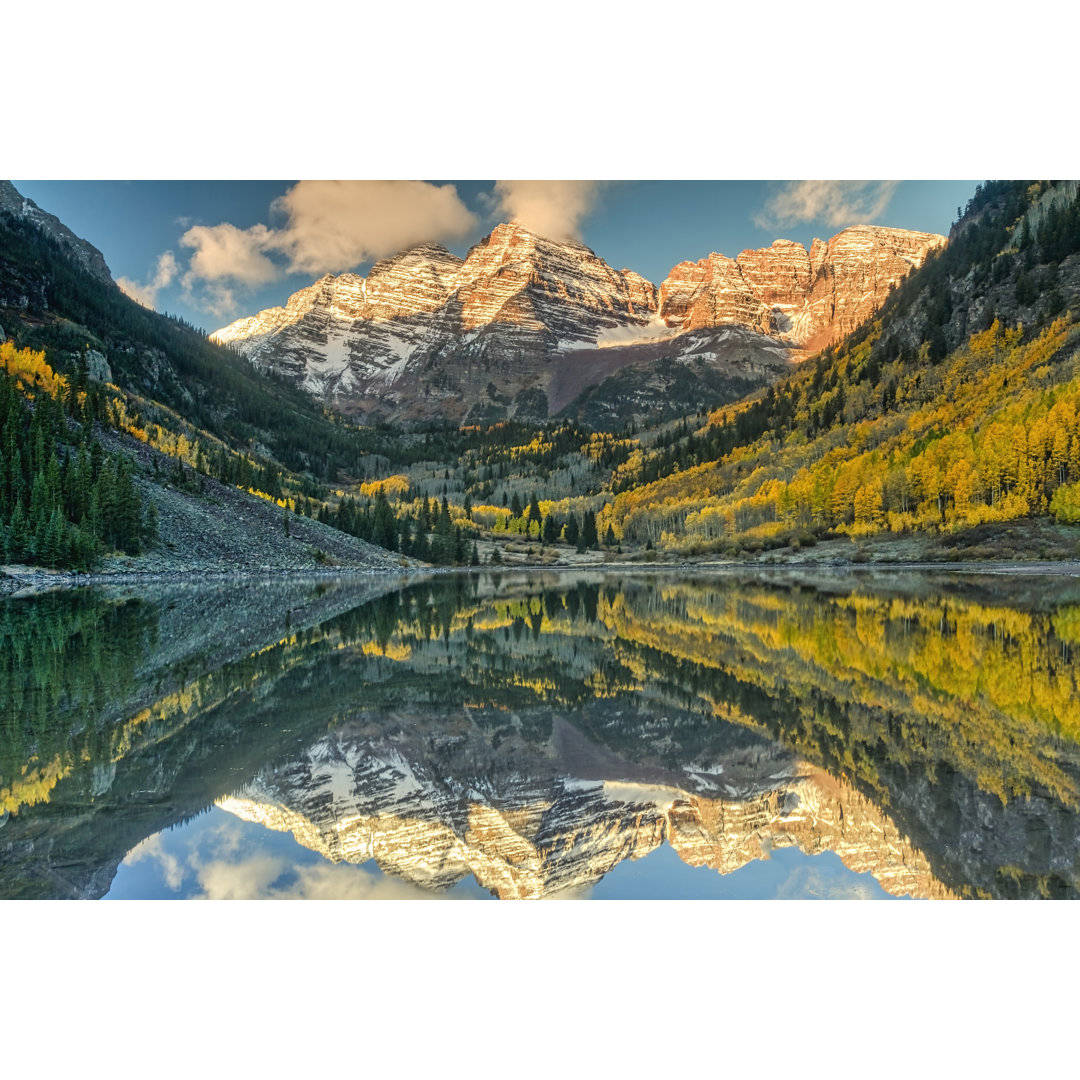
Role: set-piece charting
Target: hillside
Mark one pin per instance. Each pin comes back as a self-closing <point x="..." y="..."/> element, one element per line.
<point x="957" y="408"/>
<point x="131" y="441"/>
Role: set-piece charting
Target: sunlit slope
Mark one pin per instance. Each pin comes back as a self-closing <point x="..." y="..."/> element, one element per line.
<point x="956" y="407"/>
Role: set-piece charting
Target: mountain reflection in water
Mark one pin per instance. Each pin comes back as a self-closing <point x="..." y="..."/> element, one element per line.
<point x="529" y="734"/>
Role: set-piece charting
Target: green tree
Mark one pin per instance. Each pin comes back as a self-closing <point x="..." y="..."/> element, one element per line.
<point x="384" y="525"/>
<point x="442" y="542"/>
<point x="572" y="531"/>
<point x="589" y="539"/>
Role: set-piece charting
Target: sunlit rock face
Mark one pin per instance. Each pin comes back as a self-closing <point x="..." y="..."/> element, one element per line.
<point x="561" y="289"/>
<point x="501" y="332"/>
<point x="806" y="298"/>
<point x="525" y="826"/>
<point x="427" y="332"/>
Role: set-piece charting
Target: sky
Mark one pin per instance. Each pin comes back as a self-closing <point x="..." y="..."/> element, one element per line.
<point x="213" y="251"/>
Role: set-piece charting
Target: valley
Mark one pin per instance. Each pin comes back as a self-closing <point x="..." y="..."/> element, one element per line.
<point x="884" y="396"/>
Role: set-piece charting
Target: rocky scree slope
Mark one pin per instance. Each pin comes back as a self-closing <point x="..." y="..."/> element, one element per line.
<point x="207" y="526"/>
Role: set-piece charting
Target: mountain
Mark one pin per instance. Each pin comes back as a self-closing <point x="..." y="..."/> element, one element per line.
<point x="532" y="821"/>
<point x="807" y="298"/>
<point x="83" y="253"/>
<point x="529" y="327"/>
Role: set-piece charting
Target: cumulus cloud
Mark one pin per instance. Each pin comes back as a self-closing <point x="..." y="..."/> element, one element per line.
<point x="224" y="252"/>
<point x="551" y="208"/>
<point x="837" y="203"/>
<point x="164" y="273"/>
<point x="332" y="225"/>
<point x="230" y="860"/>
<point x="152" y="848"/>
<point x="326" y="226"/>
<point x="272" y="877"/>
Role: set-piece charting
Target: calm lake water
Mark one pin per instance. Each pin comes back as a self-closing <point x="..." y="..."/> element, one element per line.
<point x="577" y="734"/>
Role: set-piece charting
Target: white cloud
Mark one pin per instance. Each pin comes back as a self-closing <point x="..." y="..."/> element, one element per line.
<point x="255" y="878"/>
<point x="333" y="225"/>
<point x="172" y="872"/>
<point x="550" y="208"/>
<point x="329" y="226"/>
<point x="224" y="252"/>
<point x="227" y="861"/>
<point x="164" y="274"/>
<point x="836" y="203"/>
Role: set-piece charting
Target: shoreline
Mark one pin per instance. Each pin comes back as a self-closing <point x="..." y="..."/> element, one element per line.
<point x="20" y="581"/>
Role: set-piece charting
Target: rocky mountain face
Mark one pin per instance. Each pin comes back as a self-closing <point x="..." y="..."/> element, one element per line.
<point x="806" y="298"/>
<point x="427" y="333"/>
<point x="83" y="253"/>
<point x="505" y="330"/>
<point x="528" y="825"/>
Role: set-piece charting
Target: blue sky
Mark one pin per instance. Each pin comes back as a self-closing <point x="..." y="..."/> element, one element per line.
<point x="212" y="251"/>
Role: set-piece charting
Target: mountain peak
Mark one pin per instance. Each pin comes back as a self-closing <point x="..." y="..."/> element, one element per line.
<point x="806" y="299"/>
<point x="430" y="334"/>
<point x="83" y="252"/>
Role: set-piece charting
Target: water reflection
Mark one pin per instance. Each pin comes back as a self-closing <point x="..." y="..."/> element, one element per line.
<point x="530" y="735"/>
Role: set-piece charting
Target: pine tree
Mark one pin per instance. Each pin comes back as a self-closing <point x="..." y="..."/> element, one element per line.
<point x="18" y="536"/>
<point x="51" y="550"/>
<point x="442" y="543"/>
<point x="572" y="531"/>
<point x="589" y="539"/>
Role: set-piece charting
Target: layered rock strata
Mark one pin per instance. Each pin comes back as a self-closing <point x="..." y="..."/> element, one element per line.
<point x="426" y="324"/>
<point x="806" y="298"/>
<point x="429" y="334"/>
<point x="527" y="833"/>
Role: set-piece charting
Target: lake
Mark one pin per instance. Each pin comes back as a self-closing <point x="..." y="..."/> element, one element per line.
<point x="636" y="735"/>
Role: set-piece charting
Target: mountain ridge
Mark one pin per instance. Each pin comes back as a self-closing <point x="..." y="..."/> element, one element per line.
<point x="429" y="334"/>
<point x="82" y="251"/>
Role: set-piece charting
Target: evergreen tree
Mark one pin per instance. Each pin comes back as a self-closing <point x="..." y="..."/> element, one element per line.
<point x="589" y="538"/>
<point x="442" y="543"/>
<point x="572" y="531"/>
<point x="384" y="524"/>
